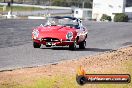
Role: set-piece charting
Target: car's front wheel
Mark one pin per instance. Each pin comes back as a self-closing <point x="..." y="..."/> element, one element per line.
<point x="73" y="46"/>
<point x="82" y="45"/>
<point x="36" y="45"/>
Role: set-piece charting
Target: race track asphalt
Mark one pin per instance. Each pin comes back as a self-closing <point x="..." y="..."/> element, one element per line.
<point x="16" y="50"/>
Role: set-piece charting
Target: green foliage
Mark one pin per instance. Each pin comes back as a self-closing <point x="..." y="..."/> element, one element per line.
<point x="121" y="17"/>
<point x="105" y="17"/>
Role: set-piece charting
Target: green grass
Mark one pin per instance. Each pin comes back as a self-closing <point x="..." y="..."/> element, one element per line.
<point x="46" y="82"/>
<point x="19" y="8"/>
<point x="57" y="82"/>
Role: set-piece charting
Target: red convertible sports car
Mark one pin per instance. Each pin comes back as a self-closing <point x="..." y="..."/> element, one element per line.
<point x="60" y="31"/>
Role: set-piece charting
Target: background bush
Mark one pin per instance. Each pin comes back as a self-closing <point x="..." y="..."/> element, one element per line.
<point x="105" y="17"/>
<point x="120" y="17"/>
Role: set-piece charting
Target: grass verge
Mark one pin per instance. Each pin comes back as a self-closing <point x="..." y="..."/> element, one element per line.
<point x="19" y="8"/>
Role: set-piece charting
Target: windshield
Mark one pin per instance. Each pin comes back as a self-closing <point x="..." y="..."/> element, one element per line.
<point x="61" y="21"/>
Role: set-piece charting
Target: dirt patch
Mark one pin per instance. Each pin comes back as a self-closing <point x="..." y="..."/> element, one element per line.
<point x="111" y="62"/>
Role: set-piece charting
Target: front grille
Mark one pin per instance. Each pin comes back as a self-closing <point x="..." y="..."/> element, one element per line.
<point x="50" y="40"/>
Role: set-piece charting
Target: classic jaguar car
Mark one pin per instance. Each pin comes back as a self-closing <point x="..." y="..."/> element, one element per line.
<point x="60" y="31"/>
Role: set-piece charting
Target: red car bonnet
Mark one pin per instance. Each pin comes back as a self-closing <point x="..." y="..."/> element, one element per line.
<point x="55" y="31"/>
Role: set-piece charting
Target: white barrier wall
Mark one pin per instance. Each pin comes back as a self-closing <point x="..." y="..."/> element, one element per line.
<point x="108" y="7"/>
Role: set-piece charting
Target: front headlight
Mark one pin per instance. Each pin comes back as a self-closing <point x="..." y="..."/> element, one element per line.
<point x="69" y="35"/>
<point x="35" y="33"/>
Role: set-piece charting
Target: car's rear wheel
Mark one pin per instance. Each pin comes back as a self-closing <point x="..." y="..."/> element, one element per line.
<point x="73" y="46"/>
<point x="82" y="45"/>
<point x="36" y="45"/>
